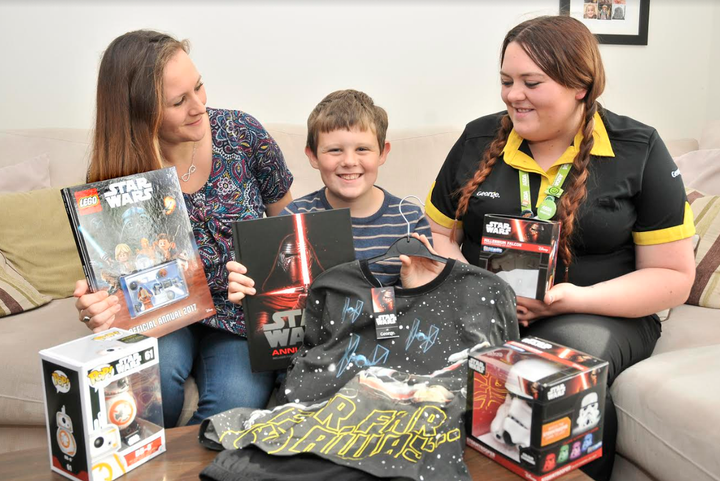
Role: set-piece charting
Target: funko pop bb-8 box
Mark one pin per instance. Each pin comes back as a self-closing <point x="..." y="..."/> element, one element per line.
<point x="536" y="407"/>
<point x="103" y="404"/>
<point x="521" y="251"/>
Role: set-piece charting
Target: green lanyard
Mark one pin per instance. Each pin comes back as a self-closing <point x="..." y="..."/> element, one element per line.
<point x="548" y="206"/>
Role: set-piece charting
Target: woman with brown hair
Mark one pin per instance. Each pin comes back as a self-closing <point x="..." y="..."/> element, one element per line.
<point x="151" y="114"/>
<point x="625" y="250"/>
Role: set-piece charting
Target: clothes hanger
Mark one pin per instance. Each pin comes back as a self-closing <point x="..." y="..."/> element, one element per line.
<point x="407" y="245"/>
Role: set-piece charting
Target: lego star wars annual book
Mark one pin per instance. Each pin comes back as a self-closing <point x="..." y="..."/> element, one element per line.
<point x="135" y="240"/>
<point x="283" y="255"/>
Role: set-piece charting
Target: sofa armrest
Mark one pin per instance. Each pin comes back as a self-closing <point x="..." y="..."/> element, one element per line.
<point x="679" y="147"/>
<point x="710" y="137"/>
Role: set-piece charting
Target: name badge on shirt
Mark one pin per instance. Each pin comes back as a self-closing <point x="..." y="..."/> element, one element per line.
<point x="386" y="322"/>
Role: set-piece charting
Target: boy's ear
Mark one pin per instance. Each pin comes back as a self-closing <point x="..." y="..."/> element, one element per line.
<point x="385" y="152"/>
<point x="312" y="157"/>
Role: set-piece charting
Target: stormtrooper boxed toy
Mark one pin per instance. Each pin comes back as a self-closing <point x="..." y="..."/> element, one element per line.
<point x="536" y="407"/>
<point x="521" y="251"/>
<point x="103" y="404"/>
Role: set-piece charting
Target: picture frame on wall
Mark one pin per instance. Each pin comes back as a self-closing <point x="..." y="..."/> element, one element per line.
<point x="614" y="22"/>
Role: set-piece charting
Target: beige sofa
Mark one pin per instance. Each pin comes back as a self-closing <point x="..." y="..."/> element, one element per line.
<point x="667" y="404"/>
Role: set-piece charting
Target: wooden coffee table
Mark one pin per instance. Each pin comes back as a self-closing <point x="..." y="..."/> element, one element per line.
<point x="185" y="458"/>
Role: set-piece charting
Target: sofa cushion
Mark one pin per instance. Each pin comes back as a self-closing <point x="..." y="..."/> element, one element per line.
<point x="23" y="336"/>
<point x="36" y="238"/>
<point x="16" y="294"/>
<point x="706" y="288"/>
<point x="679" y="147"/>
<point x="700" y="170"/>
<point x="416" y="156"/>
<point x="656" y="427"/>
<point x="31" y="174"/>
<point x="710" y="137"/>
<point x="291" y="139"/>
<point x="680" y="330"/>
<point x="667" y="413"/>
<point x="68" y="150"/>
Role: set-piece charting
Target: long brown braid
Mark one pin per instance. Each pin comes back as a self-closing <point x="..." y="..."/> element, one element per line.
<point x="575" y="192"/>
<point x="484" y="168"/>
<point x="564" y="49"/>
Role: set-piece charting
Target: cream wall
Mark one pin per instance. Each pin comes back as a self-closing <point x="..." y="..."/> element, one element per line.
<point x="426" y="64"/>
<point x="713" y="104"/>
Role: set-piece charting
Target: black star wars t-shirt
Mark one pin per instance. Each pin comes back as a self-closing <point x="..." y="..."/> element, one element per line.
<point x="462" y="307"/>
<point x="390" y="407"/>
<point x="254" y="464"/>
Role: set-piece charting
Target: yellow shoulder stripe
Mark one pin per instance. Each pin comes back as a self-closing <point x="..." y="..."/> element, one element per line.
<point x="438" y="217"/>
<point x="670" y="234"/>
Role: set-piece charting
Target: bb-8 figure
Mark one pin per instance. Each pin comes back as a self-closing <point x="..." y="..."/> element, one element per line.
<point x="64" y="434"/>
<point x="121" y="409"/>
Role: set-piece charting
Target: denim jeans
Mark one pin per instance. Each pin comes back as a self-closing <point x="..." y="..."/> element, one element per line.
<point x="220" y="363"/>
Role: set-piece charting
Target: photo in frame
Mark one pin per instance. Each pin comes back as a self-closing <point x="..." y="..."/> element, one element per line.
<point x="614" y="22"/>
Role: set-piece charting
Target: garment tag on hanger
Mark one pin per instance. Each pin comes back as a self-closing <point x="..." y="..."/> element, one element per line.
<point x="386" y="322"/>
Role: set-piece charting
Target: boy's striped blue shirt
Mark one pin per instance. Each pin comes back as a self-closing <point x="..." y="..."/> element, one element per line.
<point x="373" y="235"/>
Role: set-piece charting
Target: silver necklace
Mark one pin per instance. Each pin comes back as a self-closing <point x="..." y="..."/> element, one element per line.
<point x="191" y="170"/>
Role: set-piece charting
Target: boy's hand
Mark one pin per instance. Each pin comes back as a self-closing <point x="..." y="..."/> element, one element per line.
<point x="96" y="309"/>
<point x="239" y="285"/>
<point x="418" y="271"/>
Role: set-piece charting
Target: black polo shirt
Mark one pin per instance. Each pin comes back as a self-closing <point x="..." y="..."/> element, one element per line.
<point x="635" y="194"/>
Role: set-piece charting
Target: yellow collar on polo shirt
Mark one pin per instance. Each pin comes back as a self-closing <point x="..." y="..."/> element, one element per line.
<point x="517" y="159"/>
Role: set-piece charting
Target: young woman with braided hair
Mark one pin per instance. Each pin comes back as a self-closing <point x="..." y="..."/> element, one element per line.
<point x="625" y="250"/>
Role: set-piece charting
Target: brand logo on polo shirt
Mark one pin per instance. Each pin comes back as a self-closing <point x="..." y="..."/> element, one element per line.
<point x="675" y="173"/>
<point x="492" y="195"/>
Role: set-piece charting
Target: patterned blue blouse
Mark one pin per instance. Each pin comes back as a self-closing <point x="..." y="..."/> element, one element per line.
<point x="248" y="172"/>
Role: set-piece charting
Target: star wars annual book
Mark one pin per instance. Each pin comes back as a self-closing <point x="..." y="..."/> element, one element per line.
<point x="283" y="255"/>
<point x="135" y="240"/>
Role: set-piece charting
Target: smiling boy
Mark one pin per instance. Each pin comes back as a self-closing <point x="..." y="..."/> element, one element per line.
<point x="346" y="144"/>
